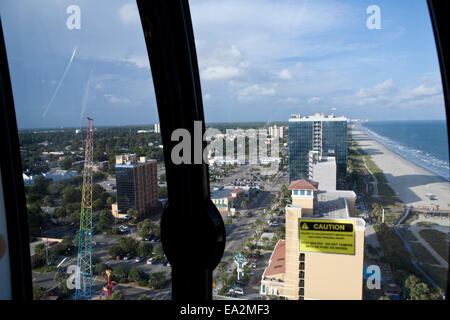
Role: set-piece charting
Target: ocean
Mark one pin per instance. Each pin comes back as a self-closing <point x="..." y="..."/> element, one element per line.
<point x="423" y="142"/>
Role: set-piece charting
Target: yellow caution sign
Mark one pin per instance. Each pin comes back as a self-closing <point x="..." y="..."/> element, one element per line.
<point x="327" y="236"/>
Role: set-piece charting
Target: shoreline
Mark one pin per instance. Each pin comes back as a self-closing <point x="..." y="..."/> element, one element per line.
<point x="410" y="181"/>
<point x="417" y="163"/>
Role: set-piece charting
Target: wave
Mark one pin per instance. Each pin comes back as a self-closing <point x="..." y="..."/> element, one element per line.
<point x="418" y="157"/>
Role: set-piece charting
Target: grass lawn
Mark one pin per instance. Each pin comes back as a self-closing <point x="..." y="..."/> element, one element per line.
<point x="422" y="254"/>
<point x="410" y="235"/>
<point x="42" y="269"/>
<point x="411" y="218"/>
<point x="437" y="240"/>
<point x="438" y="274"/>
<point x="391" y="217"/>
<point x="426" y="224"/>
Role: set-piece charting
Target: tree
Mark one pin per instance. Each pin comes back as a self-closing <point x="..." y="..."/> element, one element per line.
<point x="98" y="204"/>
<point x="158" y="251"/>
<point x="105" y="221"/>
<point x="418" y="290"/>
<point x="101" y="267"/>
<point x="162" y="193"/>
<point x="120" y="273"/>
<point x="133" y="213"/>
<point x="115" y="251"/>
<point x="59" y="213"/>
<point x="143" y="297"/>
<point x="162" y="177"/>
<point x="128" y="245"/>
<point x="61" y="280"/>
<point x="38" y="292"/>
<point x="157" y="280"/>
<point x="135" y="274"/>
<point x="145" y="227"/>
<point x="66" y="164"/>
<point x="40" y="252"/>
<point x="70" y="194"/>
<point x="110" y="200"/>
<point x="117" y="295"/>
<point x="48" y="200"/>
<point x="144" y="249"/>
<point x="66" y="241"/>
<point x="384" y="298"/>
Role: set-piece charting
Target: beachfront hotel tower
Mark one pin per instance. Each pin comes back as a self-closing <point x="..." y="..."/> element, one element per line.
<point x="325" y="135"/>
<point x="137" y="184"/>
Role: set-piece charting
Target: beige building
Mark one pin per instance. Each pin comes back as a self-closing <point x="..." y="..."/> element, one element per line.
<point x="297" y="275"/>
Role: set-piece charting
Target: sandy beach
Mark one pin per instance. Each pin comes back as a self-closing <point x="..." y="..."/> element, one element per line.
<point x="409" y="181"/>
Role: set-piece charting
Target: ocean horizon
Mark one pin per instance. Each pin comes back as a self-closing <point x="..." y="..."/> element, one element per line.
<point x="423" y="142"/>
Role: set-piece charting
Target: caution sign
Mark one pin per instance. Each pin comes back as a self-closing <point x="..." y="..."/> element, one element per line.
<point x="327" y="236"/>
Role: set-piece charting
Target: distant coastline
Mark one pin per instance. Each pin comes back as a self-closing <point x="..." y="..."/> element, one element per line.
<point x="437" y="166"/>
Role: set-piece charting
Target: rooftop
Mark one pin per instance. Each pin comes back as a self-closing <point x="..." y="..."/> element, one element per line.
<point x="221" y="193"/>
<point x="333" y="204"/>
<point x="303" y="184"/>
<point x="277" y="263"/>
<point x="317" y="117"/>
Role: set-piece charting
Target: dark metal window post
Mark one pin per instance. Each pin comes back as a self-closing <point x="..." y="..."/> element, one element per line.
<point x="192" y="230"/>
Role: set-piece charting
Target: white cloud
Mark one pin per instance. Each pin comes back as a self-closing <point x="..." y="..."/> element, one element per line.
<point x="289" y="100"/>
<point x="314" y="100"/>
<point x="285" y="74"/>
<point x="219" y="73"/>
<point x="428" y="94"/>
<point x="129" y="14"/>
<point x="116" y="100"/>
<point x="254" y="92"/>
<point x="141" y="61"/>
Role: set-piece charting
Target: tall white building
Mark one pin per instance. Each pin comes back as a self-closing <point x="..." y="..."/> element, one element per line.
<point x="276" y="131"/>
<point x="157" y="128"/>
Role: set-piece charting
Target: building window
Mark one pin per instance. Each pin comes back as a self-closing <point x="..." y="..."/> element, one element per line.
<point x="301" y="291"/>
<point x="302" y="274"/>
<point x="309" y="192"/>
<point x="302" y="283"/>
<point x="264" y="288"/>
<point x="302" y="266"/>
<point x="302" y="257"/>
<point x="302" y="192"/>
<point x="295" y="192"/>
<point x="301" y="298"/>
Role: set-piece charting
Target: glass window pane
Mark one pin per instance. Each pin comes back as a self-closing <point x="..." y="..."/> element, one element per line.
<point x="69" y="62"/>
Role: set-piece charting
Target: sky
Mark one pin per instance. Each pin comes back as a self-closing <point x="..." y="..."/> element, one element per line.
<point x="259" y="60"/>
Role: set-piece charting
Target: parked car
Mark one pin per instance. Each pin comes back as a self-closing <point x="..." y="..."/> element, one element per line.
<point x="151" y="261"/>
<point x="237" y="290"/>
<point x="149" y="237"/>
<point x="139" y="259"/>
<point x="239" y="283"/>
<point x="126" y="218"/>
<point x="127" y="256"/>
<point x="50" y="244"/>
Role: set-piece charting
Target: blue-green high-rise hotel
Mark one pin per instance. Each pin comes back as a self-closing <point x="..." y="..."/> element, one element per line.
<point x="326" y="135"/>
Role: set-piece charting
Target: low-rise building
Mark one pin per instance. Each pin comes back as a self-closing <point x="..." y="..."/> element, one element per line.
<point x="226" y="199"/>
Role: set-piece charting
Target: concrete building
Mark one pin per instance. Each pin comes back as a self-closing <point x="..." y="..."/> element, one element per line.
<point x="157" y="128"/>
<point x="323" y="170"/>
<point x="137" y="183"/>
<point x="327" y="135"/>
<point x="275" y="131"/>
<point x="296" y="274"/>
